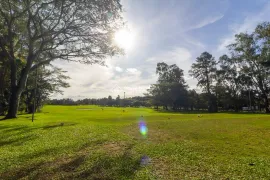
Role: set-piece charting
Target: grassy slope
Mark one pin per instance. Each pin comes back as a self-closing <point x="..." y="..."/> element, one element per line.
<point x="67" y="143"/>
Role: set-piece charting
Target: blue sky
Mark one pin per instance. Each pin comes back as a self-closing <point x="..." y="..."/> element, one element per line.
<point x="171" y="31"/>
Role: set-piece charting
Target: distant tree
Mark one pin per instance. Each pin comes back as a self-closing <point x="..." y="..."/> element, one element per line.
<point x="204" y="70"/>
<point x="171" y="88"/>
<point x="43" y="31"/>
<point x="192" y="99"/>
<point x="110" y="101"/>
<point x="118" y="101"/>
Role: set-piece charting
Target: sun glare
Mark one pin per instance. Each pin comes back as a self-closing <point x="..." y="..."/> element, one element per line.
<point x="124" y="39"/>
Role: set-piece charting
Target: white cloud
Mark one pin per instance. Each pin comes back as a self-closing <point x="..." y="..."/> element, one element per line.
<point x="174" y="56"/>
<point x="94" y="81"/>
<point x="248" y="25"/>
<point x="132" y="70"/>
<point x="192" y="42"/>
<point x="206" y="21"/>
<point x="118" y="69"/>
<point x="182" y="57"/>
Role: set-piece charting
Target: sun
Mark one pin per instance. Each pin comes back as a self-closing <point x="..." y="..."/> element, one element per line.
<point x="124" y="39"/>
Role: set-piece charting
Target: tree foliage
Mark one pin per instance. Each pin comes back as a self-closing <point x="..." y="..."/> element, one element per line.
<point x="171" y="88"/>
<point x="250" y="51"/>
<point x="204" y="70"/>
<point x="40" y="31"/>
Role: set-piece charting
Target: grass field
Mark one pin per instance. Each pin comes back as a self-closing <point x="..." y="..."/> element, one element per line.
<point x="86" y="142"/>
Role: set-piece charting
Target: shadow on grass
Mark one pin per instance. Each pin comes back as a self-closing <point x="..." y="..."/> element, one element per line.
<point x="11" y="135"/>
<point x="21" y="173"/>
<point x="121" y="166"/>
<point x="111" y="168"/>
<point x="17" y="141"/>
<point x="80" y="166"/>
<point x="7" y="129"/>
<point x="58" y="125"/>
<point x="73" y="164"/>
<point x="18" y="135"/>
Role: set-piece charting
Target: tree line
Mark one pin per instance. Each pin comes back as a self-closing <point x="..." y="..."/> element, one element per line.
<point x="239" y="80"/>
<point x="106" y="101"/>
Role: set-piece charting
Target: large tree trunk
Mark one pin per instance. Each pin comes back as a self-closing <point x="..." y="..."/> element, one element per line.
<point x="210" y="106"/>
<point x="17" y="89"/>
<point x="16" y="86"/>
<point x="15" y="95"/>
<point x="2" y="82"/>
<point x="208" y="94"/>
<point x="13" y="103"/>
<point x="266" y="104"/>
<point x="264" y="94"/>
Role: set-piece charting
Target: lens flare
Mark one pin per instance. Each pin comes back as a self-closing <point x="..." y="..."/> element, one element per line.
<point x="145" y="160"/>
<point x="143" y="128"/>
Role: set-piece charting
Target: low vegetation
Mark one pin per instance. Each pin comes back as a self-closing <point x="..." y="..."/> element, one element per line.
<point x="86" y="142"/>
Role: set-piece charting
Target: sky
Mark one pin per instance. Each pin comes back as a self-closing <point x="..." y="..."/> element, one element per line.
<point x="170" y="31"/>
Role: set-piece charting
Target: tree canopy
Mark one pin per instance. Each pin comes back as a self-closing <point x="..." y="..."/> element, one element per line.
<point x="36" y="32"/>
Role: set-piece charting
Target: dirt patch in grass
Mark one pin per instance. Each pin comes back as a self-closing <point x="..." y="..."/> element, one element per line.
<point x="114" y="148"/>
<point x="161" y="167"/>
<point x="167" y="169"/>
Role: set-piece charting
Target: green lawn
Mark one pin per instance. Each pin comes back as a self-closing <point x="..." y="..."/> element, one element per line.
<point x="86" y="142"/>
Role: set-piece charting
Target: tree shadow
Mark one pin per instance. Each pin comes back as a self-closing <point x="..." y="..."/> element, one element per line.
<point x="8" y="129"/>
<point x="17" y="141"/>
<point x="15" y="135"/>
<point x="31" y="171"/>
<point x="11" y="135"/>
<point x="77" y="167"/>
<point x="37" y="170"/>
<point x="58" y="125"/>
<point x="108" y="167"/>
<point x="21" y="172"/>
<point x="44" y="152"/>
<point x="73" y="164"/>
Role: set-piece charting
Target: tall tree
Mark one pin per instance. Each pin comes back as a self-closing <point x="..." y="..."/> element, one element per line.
<point x="41" y="31"/>
<point x="171" y="88"/>
<point x="229" y="81"/>
<point x="249" y="52"/>
<point x="204" y="70"/>
<point x="118" y="101"/>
